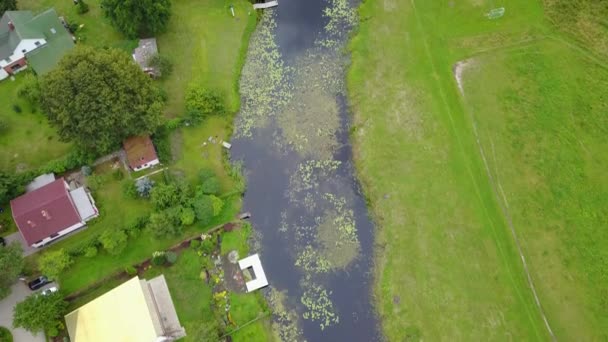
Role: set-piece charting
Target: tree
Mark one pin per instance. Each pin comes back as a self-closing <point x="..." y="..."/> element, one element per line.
<point x="54" y="262"/>
<point x="187" y="216"/>
<point x="164" y="196"/>
<point x="144" y="186"/>
<point x="211" y="186"/>
<point x="138" y="17"/>
<point x="217" y="204"/>
<point x="203" y="209"/>
<point x="110" y="98"/>
<point x="11" y="264"/>
<point x="7" y="5"/>
<point x="29" y="88"/>
<point x="10" y="186"/>
<point x="161" y="224"/>
<point x="162" y="64"/>
<point x="113" y="241"/>
<point x="40" y="313"/>
<point x="208" y="102"/>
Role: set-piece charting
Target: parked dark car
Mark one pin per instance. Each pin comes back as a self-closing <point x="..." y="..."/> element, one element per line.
<point x="2" y="242"/>
<point x="38" y="283"/>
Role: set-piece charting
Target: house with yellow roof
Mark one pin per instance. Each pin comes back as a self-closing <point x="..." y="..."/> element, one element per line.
<point x="139" y="310"/>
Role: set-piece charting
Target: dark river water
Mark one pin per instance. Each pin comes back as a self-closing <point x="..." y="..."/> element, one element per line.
<point x="314" y="234"/>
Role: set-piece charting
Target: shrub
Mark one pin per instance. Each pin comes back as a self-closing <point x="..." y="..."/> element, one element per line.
<point x="195" y="244"/>
<point x="113" y="241"/>
<point x="129" y="189"/>
<point x="3" y="125"/>
<point x="5" y="335"/>
<point x="130" y="270"/>
<point x="208" y="246"/>
<point x="164" y="195"/>
<point x="159" y="258"/>
<point x="187" y="216"/>
<point x="52" y="332"/>
<point x="203" y="209"/>
<point x="162" y="142"/>
<point x="211" y="186"/>
<point x="86" y="170"/>
<point x="17" y="108"/>
<point x="83" y="7"/>
<point x="217" y="204"/>
<point x="54" y="262"/>
<point x="173" y="124"/>
<point x="205" y="174"/>
<point x="162" y="63"/>
<point x="29" y="89"/>
<point x="144" y="186"/>
<point x="163" y="224"/>
<point x="90" y="252"/>
<point x="171" y="257"/>
<point x="208" y="102"/>
<point x="194" y="116"/>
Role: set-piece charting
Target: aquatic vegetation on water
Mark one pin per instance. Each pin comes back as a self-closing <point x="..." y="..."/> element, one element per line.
<point x="263" y="85"/>
<point x="312" y="261"/>
<point x="319" y="307"/>
<point x="342" y="17"/>
<point x="309" y="173"/>
<point x="285" y="319"/>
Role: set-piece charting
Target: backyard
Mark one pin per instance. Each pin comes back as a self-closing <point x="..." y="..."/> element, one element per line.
<point x="207" y="46"/>
<point x="456" y="205"/>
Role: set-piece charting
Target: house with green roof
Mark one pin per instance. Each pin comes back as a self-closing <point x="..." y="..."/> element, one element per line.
<point x="38" y="41"/>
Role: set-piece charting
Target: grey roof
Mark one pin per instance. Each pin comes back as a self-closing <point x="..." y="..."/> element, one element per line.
<point x="146" y="49"/>
<point x="9" y="39"/>
<point x="40" y="181"/>
<point x="85" y="208"/>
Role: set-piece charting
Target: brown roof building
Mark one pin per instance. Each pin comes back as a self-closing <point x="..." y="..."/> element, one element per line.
<point x="50" y="211"/>
<point x="140" y="152"/>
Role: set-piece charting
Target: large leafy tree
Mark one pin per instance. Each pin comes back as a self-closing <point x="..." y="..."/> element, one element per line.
<point x="98" y="97"/>
<point x="54" y="262"/>
<point x="138" y="17"/>
<point x="39" y="313"/>
<point x="7" y="5"/>
<point x="11" y="265"/>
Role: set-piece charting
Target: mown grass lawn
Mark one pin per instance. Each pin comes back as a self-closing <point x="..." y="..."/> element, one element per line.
<point x="28" y="141"/>
<point x="447" y="264"/>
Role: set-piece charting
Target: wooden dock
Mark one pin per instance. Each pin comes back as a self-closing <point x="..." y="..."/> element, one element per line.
<point x="264" y="5"/>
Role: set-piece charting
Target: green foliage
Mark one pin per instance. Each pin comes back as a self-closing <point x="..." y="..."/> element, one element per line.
<point x="29" y="89"/>
<point x="113" y="241"/>
<point x="208" y="245"/>
<point x="138" y="17"/>
<point x="205" y="332"/>
<point x="129" y="189"/>
<point x="163" y="223"/>
<point x="162" y="143"/>
<point x="205" y="174"/>
<point x="171" y="257"/>
<point x="90" y="252"/>
<point x="218" y="205"/>
<point x="194" y="244"/>
<point x="52" y="263"/>
<point x="187" y="216"/>
<point x="164" y="196"/>
<point x="5" y="335"/>
<point x="17" y="108"/>
<point x="130" y="270"/>
<point x="211" y="186"/>
<point x="203" y="208"/>
<point x="205" y="101"/>
<point x="40" y="313"/>
<point x="11" y="264"/>
<point x="111" y="98"/>
<point x="144" y="186"/>
<point x="162" y="63"/>
<point x="86" y="170"/>
<point x="7" y="5"/>
<point x="159" y="258"/>
<point x="83" y="7"/>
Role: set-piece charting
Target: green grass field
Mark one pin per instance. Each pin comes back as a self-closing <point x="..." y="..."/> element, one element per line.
<point x="28" y="141"/>
<point x="447" y="262"/>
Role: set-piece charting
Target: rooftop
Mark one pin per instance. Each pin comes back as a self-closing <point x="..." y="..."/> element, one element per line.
<point x="140" y="151"/>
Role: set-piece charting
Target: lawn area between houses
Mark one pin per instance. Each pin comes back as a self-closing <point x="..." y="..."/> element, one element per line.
<point x="27" y="142"/>
<point x="446" y="260"/>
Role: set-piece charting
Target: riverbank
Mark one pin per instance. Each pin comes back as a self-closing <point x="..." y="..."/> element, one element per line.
<point x="470" y="167"/>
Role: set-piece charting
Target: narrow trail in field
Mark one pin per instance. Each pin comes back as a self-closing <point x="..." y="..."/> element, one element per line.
<point x="477" y="186"/>
<point x="502" y="199"/>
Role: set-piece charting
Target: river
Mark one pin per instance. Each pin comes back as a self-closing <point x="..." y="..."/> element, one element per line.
<point x="311" y="224"/>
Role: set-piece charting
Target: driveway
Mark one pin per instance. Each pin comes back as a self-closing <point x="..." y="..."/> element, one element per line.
<point x="27" y="250"/>
<point x="18" y="293"/>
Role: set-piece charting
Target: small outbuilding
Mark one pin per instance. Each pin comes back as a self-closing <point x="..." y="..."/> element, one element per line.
<point x="140" y="152"/>
<point x="143" y="53"/>
<point x="260" y="281"/>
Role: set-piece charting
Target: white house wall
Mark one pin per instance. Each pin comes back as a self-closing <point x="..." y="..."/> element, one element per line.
<point x="27" y="45"/>
<point x="147" y="165"/>
<point x="60" y="234"/>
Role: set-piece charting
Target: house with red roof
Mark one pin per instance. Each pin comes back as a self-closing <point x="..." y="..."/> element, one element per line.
<point x="52" y="210"/>
<point x="140" y="152"/>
